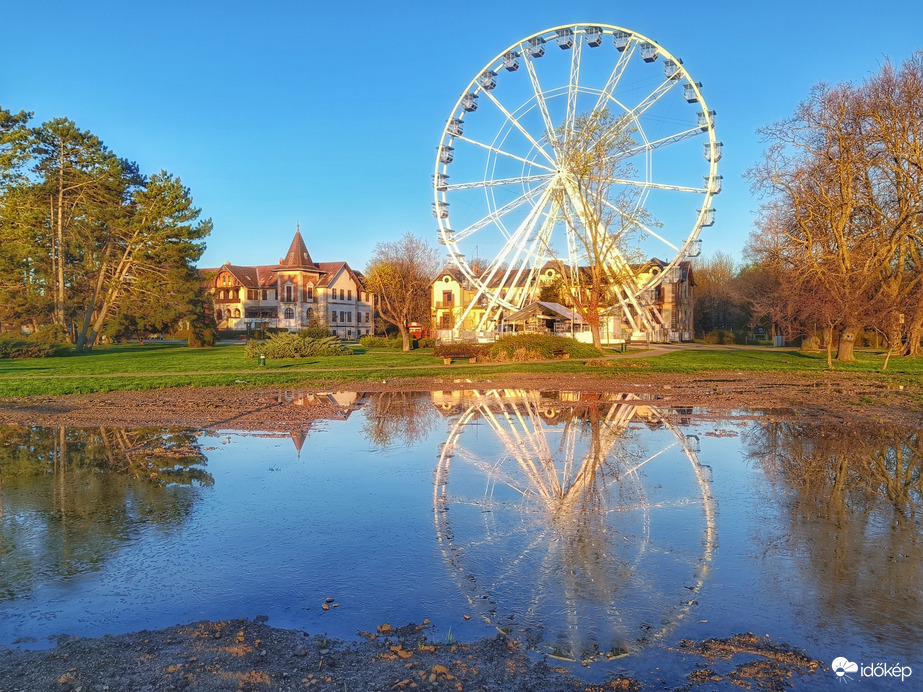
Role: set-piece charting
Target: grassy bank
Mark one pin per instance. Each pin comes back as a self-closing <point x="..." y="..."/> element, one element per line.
<point x="150" y="366"/>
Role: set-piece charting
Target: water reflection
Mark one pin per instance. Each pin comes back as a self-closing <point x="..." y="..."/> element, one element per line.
<point x="404" y="418"/>
<point x="856" y="493"/>
<point x="69" y="497"/>
<point x="561" y="522"/>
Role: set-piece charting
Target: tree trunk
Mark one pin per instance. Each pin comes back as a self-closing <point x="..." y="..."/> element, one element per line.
<point x="844" y="350"/>
<point x="594" y="331"/>
<point x="828" y="341"/>
<point x="913" y="346"/>
<point x="405" y="335"/>
<point x="60" y="251"/>
<point x="914" y="332"/>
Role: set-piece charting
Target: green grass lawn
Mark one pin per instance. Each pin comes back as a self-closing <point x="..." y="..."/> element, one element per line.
<point x="150" y="366"/>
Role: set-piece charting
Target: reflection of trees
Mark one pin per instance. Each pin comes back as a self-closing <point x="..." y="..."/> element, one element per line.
<point x="69" y="497"/>
<point x="857" y="494"/>
<point x="562" y="509"/>
<point x="398" y="418"/>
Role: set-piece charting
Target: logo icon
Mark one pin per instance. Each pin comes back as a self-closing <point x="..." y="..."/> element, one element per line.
<point x="841" y="666"/>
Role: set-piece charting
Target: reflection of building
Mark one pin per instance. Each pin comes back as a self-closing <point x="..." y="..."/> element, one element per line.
<point x="547" y="306"/>
<point x="325" y="406"/>
<point x="294" y="294"/>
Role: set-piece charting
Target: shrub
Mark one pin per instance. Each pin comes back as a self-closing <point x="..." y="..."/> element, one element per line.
<point x="316" y="332"/>
<point x="202" y="336"/>
<point x="374" y="342"/>
<point x="719" y="336"/>
<point x="540" y="347"/>
<point x="50" y="334"/>
<point x="426" y="343"/>
<point x="290" y="345"/>
<point x="462" y="350"/>
<point x="14" y="347"/>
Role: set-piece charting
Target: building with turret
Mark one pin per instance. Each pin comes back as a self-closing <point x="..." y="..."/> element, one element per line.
<point x="294" y="294"/>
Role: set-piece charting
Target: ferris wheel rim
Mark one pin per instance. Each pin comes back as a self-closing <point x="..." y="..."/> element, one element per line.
<point x="680" y="250"/>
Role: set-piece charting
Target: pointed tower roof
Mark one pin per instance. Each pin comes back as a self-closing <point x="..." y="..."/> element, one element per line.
<point x="297" y="255"/>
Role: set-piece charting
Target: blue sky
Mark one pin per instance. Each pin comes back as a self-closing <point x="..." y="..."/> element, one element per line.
<point x="329" y="114"/>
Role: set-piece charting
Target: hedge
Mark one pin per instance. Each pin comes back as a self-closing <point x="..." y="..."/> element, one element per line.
<point x="540" y="347"/>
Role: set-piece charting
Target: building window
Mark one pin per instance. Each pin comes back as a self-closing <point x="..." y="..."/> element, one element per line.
<point x="447" y="297"/>
<point x="342" y="316"/>
<point x="288" y="293"/>
<point x="342" y="294"/>
<point x="349" y="333"/>
<point x="309" y="315"/>
<point x="236" y="312"/>
<point x="289" y="314"/>
<point x="349" y="294"/>
<point x="366" y="318"/>
<point x="333" y="315"/>
<point x="218" y="315"/>
<point x="264" y="294"/>
<point x="309" y="293"/>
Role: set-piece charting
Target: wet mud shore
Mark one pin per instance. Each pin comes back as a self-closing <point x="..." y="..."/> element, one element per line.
<point x="249" y="655"/>
<point x="837" y="397"/>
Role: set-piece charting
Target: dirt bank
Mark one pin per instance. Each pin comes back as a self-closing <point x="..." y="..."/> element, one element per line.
<point x="248" y="655"/>
<point x="839" y="396"/>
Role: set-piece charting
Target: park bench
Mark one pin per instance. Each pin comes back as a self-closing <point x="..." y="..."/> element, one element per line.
<point x="448" y="357"/>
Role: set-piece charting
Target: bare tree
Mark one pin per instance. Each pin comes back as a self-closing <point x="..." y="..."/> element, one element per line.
<point x="599" y="218"/>
<point x="844" y="182"/>
<point x="401" y="274"/>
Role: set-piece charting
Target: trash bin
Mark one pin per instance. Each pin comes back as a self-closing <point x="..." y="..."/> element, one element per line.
<point x="778" y="341"/>
<point x="261" y="360"/>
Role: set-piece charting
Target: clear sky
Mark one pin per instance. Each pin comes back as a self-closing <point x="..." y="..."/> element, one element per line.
<point x="328" y="114"/>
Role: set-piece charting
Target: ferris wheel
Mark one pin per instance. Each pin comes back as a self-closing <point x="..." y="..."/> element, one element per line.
<point x="517" y="201"/>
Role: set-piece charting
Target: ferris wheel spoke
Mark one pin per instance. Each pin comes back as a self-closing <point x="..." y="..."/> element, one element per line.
<point x="522" y="241"/>
<point x="501" y="152"/>
<point x="634" y="220"/>
<point x="634" y="469"/>
<point x="647" y="184"/>
<point x="573" y="88"/>
<point x="648" y="147"/>
<point x="647" y="102"/>
<point x="522" y="180"/>
<point x="515" y="122"/>
<point x="615" y="77"/>
<point x="492" y="472"/>
<point x="540" y="99"/>
<point x="498" y="214"/>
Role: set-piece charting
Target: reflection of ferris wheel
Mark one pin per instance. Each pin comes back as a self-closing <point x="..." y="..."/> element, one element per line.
<point x="564" y="524"/>
<point x="512" y="191"/>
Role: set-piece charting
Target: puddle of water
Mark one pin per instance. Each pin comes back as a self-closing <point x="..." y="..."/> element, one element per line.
<point x="596" y="527"/>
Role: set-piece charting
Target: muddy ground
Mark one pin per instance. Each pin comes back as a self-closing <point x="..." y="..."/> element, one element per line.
<point x="250" y="655"/>
<point x="835" y="396"/>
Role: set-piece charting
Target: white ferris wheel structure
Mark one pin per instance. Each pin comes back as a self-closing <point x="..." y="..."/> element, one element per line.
<point x="500" y="170"/>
